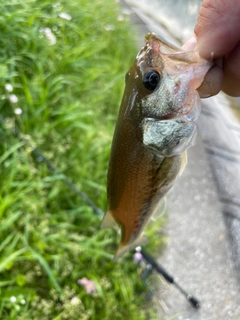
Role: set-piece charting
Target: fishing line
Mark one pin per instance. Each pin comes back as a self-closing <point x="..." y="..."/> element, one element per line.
<point x="152" y="264"/>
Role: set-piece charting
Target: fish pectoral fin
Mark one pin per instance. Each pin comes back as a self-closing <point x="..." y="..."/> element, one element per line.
<point x="108" y="221"/>
<point x="122" y="249"/>
<point x="184" y="162"/>
<point x="159" y="210"/>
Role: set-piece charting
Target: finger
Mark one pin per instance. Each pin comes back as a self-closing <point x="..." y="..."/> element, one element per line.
<point x="190" y="44"/>
<point x="217" y="28"/>
<point x="212" y="82"/>
<point x="231" y="69"/>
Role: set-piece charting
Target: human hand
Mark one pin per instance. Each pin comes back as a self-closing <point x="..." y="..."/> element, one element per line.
<point x="217" y="38"/>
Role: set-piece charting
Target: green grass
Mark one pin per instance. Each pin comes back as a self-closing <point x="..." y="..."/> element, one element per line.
<point x="69" y="93"/>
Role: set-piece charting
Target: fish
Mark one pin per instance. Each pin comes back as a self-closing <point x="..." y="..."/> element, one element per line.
<point x="157" y="123"/>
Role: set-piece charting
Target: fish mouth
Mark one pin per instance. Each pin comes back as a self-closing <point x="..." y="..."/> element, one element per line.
<point x="188" y="117"/>
<point x="170" y="116"/>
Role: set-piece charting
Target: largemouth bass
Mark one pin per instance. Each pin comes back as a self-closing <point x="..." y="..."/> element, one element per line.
<point x="156" y="124"/>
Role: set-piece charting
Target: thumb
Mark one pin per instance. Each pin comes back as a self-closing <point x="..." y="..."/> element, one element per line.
<point x="217" y="28"/>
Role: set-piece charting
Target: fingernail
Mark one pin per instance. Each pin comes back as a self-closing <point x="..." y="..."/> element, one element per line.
<point x="204" y="95"/>
<point x="190" y="43"/>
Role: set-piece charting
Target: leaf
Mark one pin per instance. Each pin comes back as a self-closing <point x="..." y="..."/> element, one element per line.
<point x="6" y="223"/>
<point x="10" y="151"/>
<point x="6" y="241"/>
<point x="47" y="269"/>
<point x="6" y="283"/>
<point x="10" y="259"/>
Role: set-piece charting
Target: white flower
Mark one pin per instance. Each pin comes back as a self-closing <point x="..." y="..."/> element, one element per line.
<point x="48" y="33"/>
<point x="121" y="18"/>
<point x="13" y="98"/>
<point x="18" y="111"/>
<point x="23" y="302"/>
<point x="109" y="27"/>
<point x="9" y="87"/>
<point x="65" y="16"/>
<point x="126" y="11"/>
<point x="75" y="301"/>
<point x="13" y="299"/>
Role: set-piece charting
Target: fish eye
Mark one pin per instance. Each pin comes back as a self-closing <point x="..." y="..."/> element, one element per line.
<point x="151" y="79"/>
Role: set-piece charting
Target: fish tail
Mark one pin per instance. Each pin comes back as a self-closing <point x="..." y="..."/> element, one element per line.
<point x="122" y="249"/>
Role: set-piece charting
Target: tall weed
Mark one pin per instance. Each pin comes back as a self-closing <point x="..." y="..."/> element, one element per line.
<point x="62" y="65"/>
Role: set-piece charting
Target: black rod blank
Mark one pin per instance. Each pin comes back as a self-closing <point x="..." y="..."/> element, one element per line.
<point x="194" y="302"/>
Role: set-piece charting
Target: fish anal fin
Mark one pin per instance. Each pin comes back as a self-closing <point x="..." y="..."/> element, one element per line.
<point x="122" y="249"/>
<point x="108" y="221"/>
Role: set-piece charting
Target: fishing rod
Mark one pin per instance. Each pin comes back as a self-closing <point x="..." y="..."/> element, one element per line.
<point x="152" y="264"/>
<point x="41" y="158"/>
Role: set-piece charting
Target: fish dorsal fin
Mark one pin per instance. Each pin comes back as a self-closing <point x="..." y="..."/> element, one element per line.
<point x="122" y="249"/>
<point x="159" y="210"/>
<point x="108" y="221"/>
